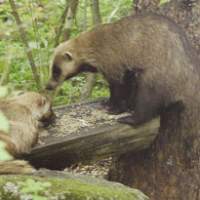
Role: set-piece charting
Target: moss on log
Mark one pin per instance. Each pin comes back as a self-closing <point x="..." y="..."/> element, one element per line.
<point x="47" y="185"/>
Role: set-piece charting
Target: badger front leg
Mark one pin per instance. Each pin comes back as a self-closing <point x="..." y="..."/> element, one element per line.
<point x="147" y="104"/>
<point x="117" y="101"/>
<point x="122" y="94"/>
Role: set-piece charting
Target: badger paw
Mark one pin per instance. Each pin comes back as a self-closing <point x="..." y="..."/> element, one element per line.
<point x="130" y="120"/>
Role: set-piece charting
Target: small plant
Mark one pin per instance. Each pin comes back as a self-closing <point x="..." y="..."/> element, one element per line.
<point x="34" y="189"/>
<point x="163" y="2"/>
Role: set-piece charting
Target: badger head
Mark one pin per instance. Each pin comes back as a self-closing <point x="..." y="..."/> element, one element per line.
<point x="67" y="62"/>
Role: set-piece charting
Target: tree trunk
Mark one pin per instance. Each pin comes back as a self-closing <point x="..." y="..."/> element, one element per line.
<point x="96" y="16"/>
<point x="186" y="13"/>
<point x="170" y="168"/>
<point x="67" y="19"/>
<point x="62" y="22"/>
<point x="25" y="42"/>
<point x="73" y="4"/>
<point x="91" y="78"/>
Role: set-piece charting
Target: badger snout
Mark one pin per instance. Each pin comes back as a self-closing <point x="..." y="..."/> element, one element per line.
<point x="48" y="118"/>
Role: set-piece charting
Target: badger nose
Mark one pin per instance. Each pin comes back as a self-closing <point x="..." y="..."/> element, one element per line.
<point x="48" y="118"/>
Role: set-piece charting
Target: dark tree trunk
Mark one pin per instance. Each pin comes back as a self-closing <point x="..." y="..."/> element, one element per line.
<point x="73" y="5"/>
<point x="185" y="12"/>
<point x="170" y="168"/>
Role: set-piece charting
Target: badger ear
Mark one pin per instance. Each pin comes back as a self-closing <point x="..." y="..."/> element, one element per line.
<point x="68" y="55"/>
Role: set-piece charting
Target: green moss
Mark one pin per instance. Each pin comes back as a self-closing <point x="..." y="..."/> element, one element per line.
<point x="17" y="187"/>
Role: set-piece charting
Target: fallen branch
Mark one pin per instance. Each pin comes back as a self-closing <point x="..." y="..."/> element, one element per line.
<point x="92" y="141"/>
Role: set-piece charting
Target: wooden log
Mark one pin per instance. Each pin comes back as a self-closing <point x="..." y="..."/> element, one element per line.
<point x="93" y="142"/>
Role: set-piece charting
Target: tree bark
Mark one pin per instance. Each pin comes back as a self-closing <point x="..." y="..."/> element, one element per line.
<point x="186" y="13"/>
<point x="73" y="4"/>
<point x="170" y="168"/>
<point x="25" y="42"/>
<point x="66" y="19"/>
<point x="96" y="15"/>
<point x="91" y="78"/>
<point x="62" y="22"/>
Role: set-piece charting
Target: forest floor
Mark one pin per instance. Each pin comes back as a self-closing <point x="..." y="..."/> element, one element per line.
<point x="75" y="119"/>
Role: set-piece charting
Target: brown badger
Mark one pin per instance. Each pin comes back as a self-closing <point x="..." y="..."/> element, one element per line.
<point x="24" y="113"/>
<point x="152" y="47"/>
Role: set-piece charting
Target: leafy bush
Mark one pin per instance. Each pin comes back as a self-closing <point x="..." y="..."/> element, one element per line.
<point x="41" y="20"/>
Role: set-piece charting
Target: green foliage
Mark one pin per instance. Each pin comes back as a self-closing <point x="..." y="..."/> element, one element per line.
<point x="4" y="154"/>
<point x="113" y="10"/>
<point x="34" y="188"/>
<point x="67" y="188"/>
<point x="163" y="2"/>
<point x="41" y="20"/>
<point x="4" y="126"/>
<point x="3" y="92"/>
